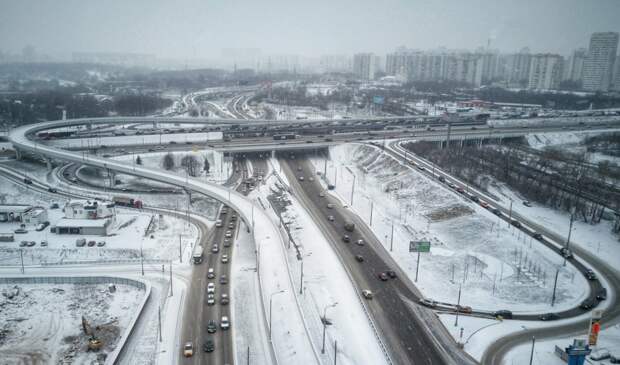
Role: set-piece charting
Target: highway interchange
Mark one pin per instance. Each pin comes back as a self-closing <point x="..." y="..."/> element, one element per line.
<point x="392" y="307"/>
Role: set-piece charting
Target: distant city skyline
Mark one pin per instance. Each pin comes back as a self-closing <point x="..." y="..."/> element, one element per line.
<point x="194" y="29"/>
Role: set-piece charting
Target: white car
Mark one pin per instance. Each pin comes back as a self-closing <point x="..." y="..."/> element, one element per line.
<point x="210" y="299"/>
<point x="228" y="234"/>
<point x="225" y="324"/>
<point x="367" y="294"/>
<point x="210" y="288"/>
<point x="224" y="259"/>
<point x="218" y="223"/>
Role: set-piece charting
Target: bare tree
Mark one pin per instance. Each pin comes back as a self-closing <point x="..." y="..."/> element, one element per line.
<point x="206" y="167"/>
<point x="191" y="164"/>
<point x="168" y="161"/>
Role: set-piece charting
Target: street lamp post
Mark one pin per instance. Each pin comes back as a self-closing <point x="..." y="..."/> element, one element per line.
<point x="270" y="302"/>
<point x="325" y="323"/>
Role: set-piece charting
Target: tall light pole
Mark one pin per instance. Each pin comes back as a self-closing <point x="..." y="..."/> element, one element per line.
<point x="352" y="189"/>
<point x="458" y="305"/>
<point x="325" y="323"/>
<point x="270" y="302"/>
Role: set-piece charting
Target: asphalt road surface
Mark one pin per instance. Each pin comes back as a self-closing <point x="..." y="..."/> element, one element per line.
<point x="406" y="337"/>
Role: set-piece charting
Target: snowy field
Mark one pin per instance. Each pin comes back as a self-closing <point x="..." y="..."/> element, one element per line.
<point x="42" y="323"/>
<point x="496" y="266"/>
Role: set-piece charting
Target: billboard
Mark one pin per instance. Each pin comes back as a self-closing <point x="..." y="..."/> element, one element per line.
<point x="419" y="246"/>
<point x="595" y="327"/>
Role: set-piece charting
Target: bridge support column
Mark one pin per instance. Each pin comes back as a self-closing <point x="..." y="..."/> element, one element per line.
<point x="111" y="177"/>
<point x="273" y="153"/>
<point x="48" y="162"/>
<point x="18" y="154"/>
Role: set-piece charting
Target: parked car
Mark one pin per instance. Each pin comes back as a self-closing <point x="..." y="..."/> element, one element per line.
<point x="218" y="223"/>
<point x="80" y="242"/>
<point x="231" y="225"/>
<point x="497" y="212"/>
<point x="52" y="190"/>
<point x="537" y="236"/>
<point x="100" y="243"/>
<point x="43" y="243"/>
<point x="367" y="294"/>
<point x="21" y="230"/>
<point x="516" y="223"/>
<point x="322" y="194"/>
<point x="91" y="243"/>
<point x="527" y="203"/>
<point x="215" y="248"/>
<point x="549" y="317"/>
<point x="23" y="244"/>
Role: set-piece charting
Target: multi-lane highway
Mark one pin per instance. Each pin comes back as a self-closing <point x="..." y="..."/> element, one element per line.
<point x="408" y="339"/>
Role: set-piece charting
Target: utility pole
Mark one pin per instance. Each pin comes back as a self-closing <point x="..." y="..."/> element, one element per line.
<point x="301" y="278"/>
<point x="372" y="205"/>
<point x="352" y="189"/>
<point x="555" y="284"/>
<point x="159" y="321"/>
<point x="248" y="362"/>
<point x="171" y="292"/>
<point x="458" y="305"/>
<point x="417" y="268"/>
<point x="335" y="351"/>
<point x="21" y="256"/>
<point x="392" y="238"/>
<point x="180" y="251"/>
<point x="532" y="353"/>
<point x="510" y="213"/>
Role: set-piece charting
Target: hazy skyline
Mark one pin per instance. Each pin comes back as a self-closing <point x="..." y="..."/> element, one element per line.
<point x="201" y="29"/>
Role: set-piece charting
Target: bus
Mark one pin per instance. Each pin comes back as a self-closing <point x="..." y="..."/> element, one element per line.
<point x="197" y="256"/>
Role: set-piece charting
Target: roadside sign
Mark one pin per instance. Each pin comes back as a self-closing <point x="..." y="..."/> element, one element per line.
<point x="595" y="327"/>
<point x="419" y="246"/>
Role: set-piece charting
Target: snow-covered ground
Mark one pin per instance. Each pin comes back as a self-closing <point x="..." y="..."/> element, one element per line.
<point x="609" y="339"/>
<point x="325" y="282"/>
<point x="157" y="236"/>
<point x="42" y="323"/>
<point x="497" y="266"/>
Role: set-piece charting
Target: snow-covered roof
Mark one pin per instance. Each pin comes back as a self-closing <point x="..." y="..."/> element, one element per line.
<point x="71" y="223"/>
<point x="15" y="208"/>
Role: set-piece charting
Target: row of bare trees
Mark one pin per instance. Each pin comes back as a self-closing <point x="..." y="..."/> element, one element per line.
<point x="562" y="184"/>
<point x="189" y="162"/>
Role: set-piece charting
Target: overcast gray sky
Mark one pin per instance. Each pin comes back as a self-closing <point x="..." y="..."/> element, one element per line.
<point x="201" y="28"/>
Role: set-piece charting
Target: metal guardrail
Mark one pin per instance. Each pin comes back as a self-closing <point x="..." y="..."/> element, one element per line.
<point x="106" y="262"/>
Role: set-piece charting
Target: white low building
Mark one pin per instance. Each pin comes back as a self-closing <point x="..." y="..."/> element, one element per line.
<point x="86" y="217"/>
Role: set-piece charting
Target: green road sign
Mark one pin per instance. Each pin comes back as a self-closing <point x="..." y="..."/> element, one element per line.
<point x="419" y="246"/>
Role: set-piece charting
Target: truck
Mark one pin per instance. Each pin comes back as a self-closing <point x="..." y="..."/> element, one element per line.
<point x="127" y="202"/>
<point x="197" y="256"/>
<point x="349" y="226"/>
